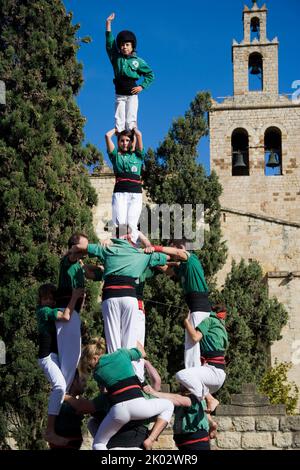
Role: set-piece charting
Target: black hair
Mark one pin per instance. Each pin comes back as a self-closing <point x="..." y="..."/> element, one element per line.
<point x="75" y="238"/>
<point x="127" y="134"/>
<point x="46" y="290"/>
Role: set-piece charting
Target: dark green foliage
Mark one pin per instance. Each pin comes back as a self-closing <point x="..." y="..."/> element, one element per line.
<point x="173" y="176"/>
<point x="45" y="193"/>
<point x="253" y="323"/>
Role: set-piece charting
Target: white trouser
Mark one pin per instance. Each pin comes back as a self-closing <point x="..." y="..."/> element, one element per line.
<point x="93" y="425"/>
<point x="141" y="326"/>
<point x="192" y="351"/>
<point x="126" y="209"/>
<point x="69" y="346"/>
<point x="126" y="108"/>
<point x="50" y="367"/>
<point x="201" y="380"/>
<point x="122" y="413"/>
<point x="120" y="316"/>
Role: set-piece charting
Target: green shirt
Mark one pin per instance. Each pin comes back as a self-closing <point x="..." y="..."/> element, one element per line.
<point x="215" y="336"/>
<point x="46" y="318"/>
<point x="131" y="162"/>
<point x="71" y="275"/>
<point x="131" y="66"/>
<point x="122" y="259"/>
<point x="112" y="368"/>
<point x="191" y="419"/>
<point x="191" y="275"/>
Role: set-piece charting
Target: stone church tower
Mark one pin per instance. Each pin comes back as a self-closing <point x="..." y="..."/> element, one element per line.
<point x="255" y="150"/>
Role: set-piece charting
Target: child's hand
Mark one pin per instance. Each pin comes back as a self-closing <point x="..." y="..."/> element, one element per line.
<point x="148" y="250"/>
<point x="111" y="17"/>
<point x="148" y="389"/>
<point x="136" y="90"/>
<point x="106" y="243"/>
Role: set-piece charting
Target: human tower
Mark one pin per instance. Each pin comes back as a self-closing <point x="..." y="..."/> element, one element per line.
<point x="124" y="264"/>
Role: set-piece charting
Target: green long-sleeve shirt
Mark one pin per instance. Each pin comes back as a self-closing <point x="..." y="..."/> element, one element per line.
<point x="122" y="259"/>
<point x="131" y="66"/>
<point x="215" y="337"/>
<point x="191" y="419"/>
<point x="117" y="366"/>
<point x="191" y="275"/>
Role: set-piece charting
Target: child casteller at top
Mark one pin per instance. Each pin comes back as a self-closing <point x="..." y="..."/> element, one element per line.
<point x="128" y="68"/>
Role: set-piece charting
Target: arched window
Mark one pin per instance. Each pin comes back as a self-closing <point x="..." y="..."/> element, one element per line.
<point x="273" y="152"/>
<point x="240" y="152"/>
<point x="255" y="28"/>
<point x="256" y="75"/>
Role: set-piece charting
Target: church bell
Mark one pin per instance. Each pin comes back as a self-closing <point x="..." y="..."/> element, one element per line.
<point x="273" y="161"/>
<point x="239" y="161"/>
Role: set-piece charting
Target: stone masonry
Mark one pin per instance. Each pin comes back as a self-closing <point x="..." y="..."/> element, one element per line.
<point x="251" y="423"/>
<point x="261" y="214"/>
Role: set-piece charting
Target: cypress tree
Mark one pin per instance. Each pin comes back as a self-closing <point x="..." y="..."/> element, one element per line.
<point x="45" y="192"/>
<point x="254" y="322"/>
<point x="174" y="176"/>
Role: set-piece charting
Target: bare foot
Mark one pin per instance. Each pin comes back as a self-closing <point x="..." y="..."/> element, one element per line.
<point x="148" y="443"/>
<point x="213" y="429"/>
<point x="54" y="439"/>
<point x="212" y="404"/>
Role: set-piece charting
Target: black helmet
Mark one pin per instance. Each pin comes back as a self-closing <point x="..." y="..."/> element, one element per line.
<point x="126" y="36"/>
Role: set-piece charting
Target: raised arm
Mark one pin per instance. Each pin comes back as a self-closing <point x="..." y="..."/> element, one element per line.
<point x="139" y="140"/>
<point x="108" y="139"/>
<point x="66" y="314"/>
<point x="176" y="253"/>
<point x="108" y="22"/>
<point x="153" y="375"/>
<point x="195" y="335"/>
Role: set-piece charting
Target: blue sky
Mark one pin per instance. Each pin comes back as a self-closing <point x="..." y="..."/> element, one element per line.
<point x="188" y="45"/>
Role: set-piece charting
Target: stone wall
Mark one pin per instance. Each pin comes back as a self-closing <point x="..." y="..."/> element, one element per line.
<point x="257" y="433"/>
<point x="269" y="52"/>
<point x="276" y="196"/>
<point x="103" y="184"/>
<point x="251" y="423"/>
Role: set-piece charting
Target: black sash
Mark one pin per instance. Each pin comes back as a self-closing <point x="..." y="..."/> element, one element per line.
<point x="124" y="85"/>
<point x="118" y="286"/>
<point x="198" y="302"/>
<point x="128" y="183"/>
<point x="125" y="390"/>
<point x="198" y="440"/>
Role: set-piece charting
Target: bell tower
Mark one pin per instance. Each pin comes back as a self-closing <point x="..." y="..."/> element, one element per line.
<point x="255" y="151"/>
<point x="255" y="58"/>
